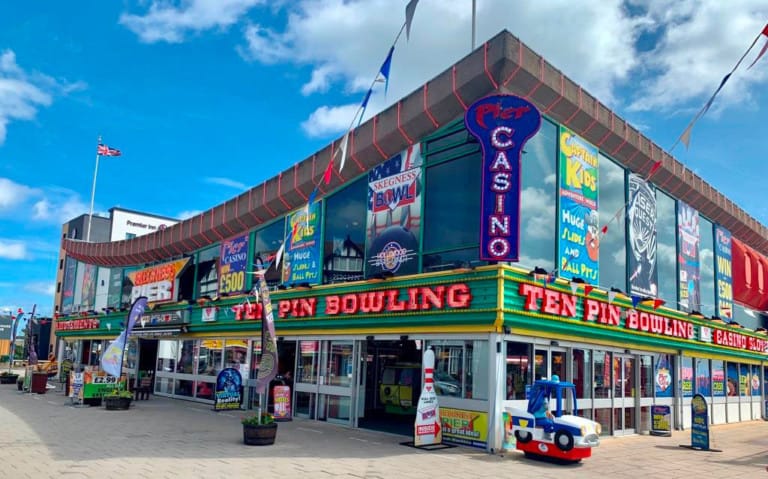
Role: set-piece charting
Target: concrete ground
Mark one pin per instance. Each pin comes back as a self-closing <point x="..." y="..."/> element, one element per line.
<point x="43" y="436"/>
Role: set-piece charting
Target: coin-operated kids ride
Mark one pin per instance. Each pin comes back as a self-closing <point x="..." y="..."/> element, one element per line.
<point x="552" y="433"/>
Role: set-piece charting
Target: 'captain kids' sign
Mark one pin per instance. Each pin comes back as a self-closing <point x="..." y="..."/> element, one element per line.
<point x="502" y="124"/>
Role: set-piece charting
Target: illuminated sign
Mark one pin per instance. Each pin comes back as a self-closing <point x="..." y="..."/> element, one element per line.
<point x="419" y="298"/>
<point x="541" y="300"/>
<point x="78" y="324"/>
<point x="158" y="283"/>
<point x="502" y="124"/>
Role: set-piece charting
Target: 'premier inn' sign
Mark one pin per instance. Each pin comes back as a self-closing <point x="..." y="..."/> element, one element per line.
<point x="556" y="303"/>
<point x="420" y="298"/>
<point x="158" y="283"/>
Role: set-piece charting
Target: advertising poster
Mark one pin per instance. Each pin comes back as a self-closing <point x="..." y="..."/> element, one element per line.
<point x="393" y="220"/>
<point x="663" y="377"/>
<point x="159" y="283"/>
<point x="687" y="378"/>
<point x="469" y="428"/>
<point x="754" y="381"/>
<point x="702" y="377"/>
<point x="718" y="378"/>
<point x="502" y="124"/>
<point x="733" y="379"/>
<point x="641" y="234"/>
<point x="661" y="420"/>
<point x="229" y="390"/>
<point x="688" y="259"/>
<point x="68" y="288"/>
<point x="302" y="261"/>
<point x="233" y="263"/>
<point x="89" y="286"/>
<point x="723" y="273"/>
<point x="281" y="398"/>
<point x="699" y="423"/>
<point x="578" y="221"/>
<point x="115" y="287"/>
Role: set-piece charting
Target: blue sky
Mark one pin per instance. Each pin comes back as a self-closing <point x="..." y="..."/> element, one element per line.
<point x="208" y="97"/>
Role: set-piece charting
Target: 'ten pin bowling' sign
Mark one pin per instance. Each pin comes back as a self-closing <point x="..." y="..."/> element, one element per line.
<point x="502" y="124"/>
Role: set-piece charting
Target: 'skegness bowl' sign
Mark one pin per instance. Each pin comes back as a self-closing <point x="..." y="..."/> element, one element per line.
<point x="502" y="124"/>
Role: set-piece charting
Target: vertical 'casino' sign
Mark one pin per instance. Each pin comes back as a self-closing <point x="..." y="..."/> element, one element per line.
<point x="502" y="124"/>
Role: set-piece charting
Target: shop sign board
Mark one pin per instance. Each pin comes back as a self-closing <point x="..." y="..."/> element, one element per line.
<point x="302" y="261"/>
<point x="95" y="386"/>
<point x="233" y="263"/>
<point x="78" y="324"/>
<point x="541" y="300"/>
<point x="167" y="318"/>
<point x="209" y="314"/>
<point x="393" y="218"/>
<point x="469" y="428"/>
<point x="502" y="125"/>
<point x="578" y="225"/>
<point x="641" y="236"/>
<point x="159" y="283"/>
<point x="76" y="385"/>
<point x="394" y="300"/>
<point x="229" y="390"/>
<point x="661" y="420"/>
<point x="281" y="398"/>
<point x="688" y="260"/>
<point x="699" y="423"/>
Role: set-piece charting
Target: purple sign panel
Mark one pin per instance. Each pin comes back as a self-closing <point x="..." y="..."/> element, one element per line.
<point x="723" y="272"/>
<point x="233" y="263"/>
<point x="502" y="125"/>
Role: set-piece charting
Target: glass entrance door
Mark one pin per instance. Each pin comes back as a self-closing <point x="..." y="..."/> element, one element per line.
<point x="624" y="394"/>
<point x="338" y="380"/>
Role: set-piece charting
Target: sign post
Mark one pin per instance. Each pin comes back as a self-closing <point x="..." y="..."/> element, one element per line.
<point x="699" y="425"/>
<point x="661" y="421"/>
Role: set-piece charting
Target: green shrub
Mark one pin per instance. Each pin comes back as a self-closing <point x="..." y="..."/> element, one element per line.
<point x="253" y="420"/>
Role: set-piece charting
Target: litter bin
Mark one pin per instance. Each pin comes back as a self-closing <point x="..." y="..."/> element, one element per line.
<point x="39" y="382"/>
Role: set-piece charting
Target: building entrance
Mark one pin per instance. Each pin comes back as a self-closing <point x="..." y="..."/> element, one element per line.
<point x="392" y="384"/>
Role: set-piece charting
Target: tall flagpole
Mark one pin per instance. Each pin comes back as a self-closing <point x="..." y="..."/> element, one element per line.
<point x="93" y="191"/>
<point x="474" y="17"/>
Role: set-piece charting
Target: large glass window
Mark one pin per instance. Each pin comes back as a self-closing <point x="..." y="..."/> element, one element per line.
<point x="582" y="373"/>
<point x="344" y="233"/>
<point x="612" y="198"/>
<point x="186" y="359"/>
<point x="538" y="192"/>
<point x="450" y="216"/>
<point x="266" y="243"/>
<point x="666" y="257"/>
<point x="308" y="362"/>
<point x="235" y="355"/>
<point x="646" y="376"/>
<point x="518" y="367"/>
<point x="703" y="377"/>
<point x="686" y="372"/>
<point x="462" y="365"/>
<point x="718" y="378"/>
<point x="208" y="272"/>
<point x="338" y="367"/>
<point x="209" y="357"/>
<point x="602" y="384"/>
<point x="706" y="267"/>
<point x="167" y="352"/>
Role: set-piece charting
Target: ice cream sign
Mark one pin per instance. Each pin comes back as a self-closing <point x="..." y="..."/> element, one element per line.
<point x="502" y="125"/>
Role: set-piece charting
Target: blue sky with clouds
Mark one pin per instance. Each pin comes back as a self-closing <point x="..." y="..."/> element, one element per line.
<point x="208" y="97"/>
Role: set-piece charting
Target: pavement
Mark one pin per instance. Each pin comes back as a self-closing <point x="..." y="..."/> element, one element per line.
<point x="45" y="436"/>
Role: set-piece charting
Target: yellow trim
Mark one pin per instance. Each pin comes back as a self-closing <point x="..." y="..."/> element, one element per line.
<point x="357" y="332"/>
<point x="602" y="342"/>
<point x="498" y="324"/>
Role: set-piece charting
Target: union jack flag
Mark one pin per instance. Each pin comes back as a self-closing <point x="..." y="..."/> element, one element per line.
<point x="104" y="150"/>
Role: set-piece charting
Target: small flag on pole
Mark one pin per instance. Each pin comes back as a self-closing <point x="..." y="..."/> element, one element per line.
<point x="410" y="9"/>
<point x="104" y="150"/>
<point x="384" y="70"/>
<point x="759" y="55"/>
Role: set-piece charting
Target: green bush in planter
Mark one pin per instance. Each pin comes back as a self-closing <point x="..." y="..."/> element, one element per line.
<point x="253" y="420"/>
<point x="118" y="393"/>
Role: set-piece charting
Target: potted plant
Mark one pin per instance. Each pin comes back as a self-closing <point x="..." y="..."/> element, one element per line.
<point x="7" y="377"/>
<point x="117" y="399"/>
<point x="259" y="430"/>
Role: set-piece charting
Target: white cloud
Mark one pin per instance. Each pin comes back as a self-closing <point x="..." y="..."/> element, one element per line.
<point x="186" y="214"/>
<point x="41" y="287"/>
<point x="701" y="40"/>
<point x="170" y="22"/>
<point x="58" y="206"/>
<point x="329" y="120"/>
<point x="12" y="193"/>
<point x="215" y="180"/>
<point x="12" y="249"/>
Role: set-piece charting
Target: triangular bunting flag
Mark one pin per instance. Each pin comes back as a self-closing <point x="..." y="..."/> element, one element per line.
<point x="635" y="300"/>
<point x="654" y="169"/>
<point x="328" y="171"/>
<point x="709" y="103"/>
<point x="611" y="296"/>
<point x="343" y="149"/>
<point x="312" y="196"/>
<point x="685" y="138"/>
<point x="279" y="255"/>
<point x="410" y="9"/>
<point x="605" y="229"/>
<point x="384" y="70"/>
<point x="588" y="289"/>
<point x="657" y="302"/>
<point x="551" y="277"/>
<point x="574" y="288"/>
<point x="364" y="105"/>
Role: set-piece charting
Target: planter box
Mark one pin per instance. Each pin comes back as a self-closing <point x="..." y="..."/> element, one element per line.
<point x="117" y="404"/>
<point x="260" y="435"/>
<point x="9" y="379"/>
